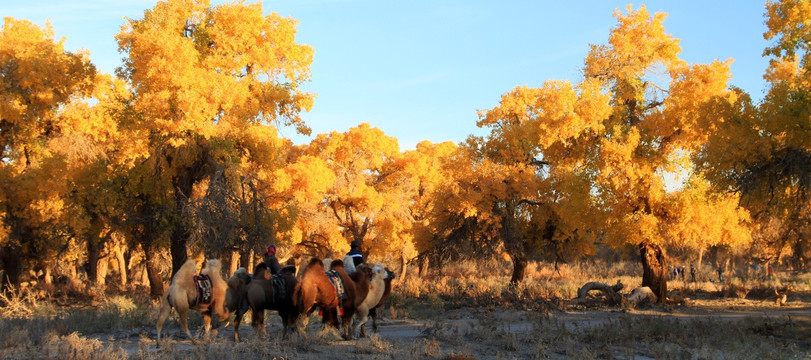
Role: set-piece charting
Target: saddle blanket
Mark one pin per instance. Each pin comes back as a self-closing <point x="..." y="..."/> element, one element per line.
<point x="203" y="283"/>
<point x="338" y="283"/>
<point x="279" y="288"/>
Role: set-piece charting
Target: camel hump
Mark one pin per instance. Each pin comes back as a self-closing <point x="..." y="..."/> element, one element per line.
<point x="288" y="270"/>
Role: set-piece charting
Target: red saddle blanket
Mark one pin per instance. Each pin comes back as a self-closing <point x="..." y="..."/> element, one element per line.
<point x="203" y="283"/>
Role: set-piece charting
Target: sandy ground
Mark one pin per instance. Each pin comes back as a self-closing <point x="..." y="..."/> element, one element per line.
<point x="460" y="333"/>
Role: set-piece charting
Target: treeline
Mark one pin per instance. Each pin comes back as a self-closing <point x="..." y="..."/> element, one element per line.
<point x="179" y="153"/>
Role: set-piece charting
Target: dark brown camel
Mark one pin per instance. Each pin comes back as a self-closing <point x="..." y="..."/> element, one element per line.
<point x="266" y="292"/>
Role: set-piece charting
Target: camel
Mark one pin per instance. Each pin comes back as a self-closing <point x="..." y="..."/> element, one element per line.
<point x="314" y="290"/>
<point x="348" y="303"/>
<point x="260" y="293"/>
<point x="376" y="289"/>
<point x="386" y="294"/>
<point x="183" y="295"/>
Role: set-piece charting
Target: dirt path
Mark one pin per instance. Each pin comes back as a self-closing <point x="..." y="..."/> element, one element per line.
<point x="482" y="334"/>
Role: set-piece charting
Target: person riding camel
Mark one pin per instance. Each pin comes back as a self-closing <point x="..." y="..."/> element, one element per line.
<point x="354" y="252"/>
<point x="271" y="262"/>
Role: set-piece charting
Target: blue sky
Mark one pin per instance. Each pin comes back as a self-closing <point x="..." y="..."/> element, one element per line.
<point x="419" y="70"/>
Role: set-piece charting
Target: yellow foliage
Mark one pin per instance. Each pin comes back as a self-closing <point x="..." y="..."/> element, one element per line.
<point x="39" y="75"/>
<point x="701" y="218"/>
<point x="206" y="71"/>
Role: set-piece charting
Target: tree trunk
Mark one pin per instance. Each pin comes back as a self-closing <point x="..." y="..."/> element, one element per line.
<point x="179" y="239"/>
<point x="101" y="270"/>
<point x="245" y="259"/>
<point x="423" y="265"/>
<point x="233" y="264"/>
<point x="12" y="264"/>
<point x="153" y="271"/>
<point x="403" y="264"/>
<point x="49" y="279"/>
<point x="611" y="291"/>
<point x="183" y="184"/>
<point x="122" y="265"/>
<point x="714" y="257"/>
<point x="93" y="252"/>
<point x="700" y="258"/>
<point x="654" y="269"/>
<point x="519" y="269"/>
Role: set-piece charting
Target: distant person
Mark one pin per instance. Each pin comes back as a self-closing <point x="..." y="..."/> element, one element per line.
<point x="271" y="262"/>
<point x="675" y="273"/>
<point x="354" y="252"/>
<point x="682" y="273"/>
<point x="769" y="270"/>
<point x="720" y="273"/>
<point x="692" y="273"/>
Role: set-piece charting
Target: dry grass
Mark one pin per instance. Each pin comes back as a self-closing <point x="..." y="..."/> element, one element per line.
<point x="465" y="313"/>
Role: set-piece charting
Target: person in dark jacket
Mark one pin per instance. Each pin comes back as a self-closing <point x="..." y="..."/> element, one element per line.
<point x="354" y="252"/>
<point x="271" y="261"/>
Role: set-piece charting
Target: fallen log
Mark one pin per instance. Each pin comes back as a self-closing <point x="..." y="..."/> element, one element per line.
<point x="612" y="296"/>
<point x="611" y="291"/>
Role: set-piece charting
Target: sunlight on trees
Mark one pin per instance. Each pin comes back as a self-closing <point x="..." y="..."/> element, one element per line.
<point x="179" y="153"/>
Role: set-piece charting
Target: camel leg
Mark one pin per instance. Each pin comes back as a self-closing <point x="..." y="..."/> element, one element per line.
<point x="164" y="313"/>
<point x="258" y="322"/>
<point x="301" y="325"/>
<point x="363" y="317"/>
<point x="373" y="314"/>
<point x="285" y="322"/>
<point x="237" y="321"/>
<point x="207" y="323"/>
<point x="184" y="325"/>
<point x="346" y="322"/>
<point x="289" y="319"/>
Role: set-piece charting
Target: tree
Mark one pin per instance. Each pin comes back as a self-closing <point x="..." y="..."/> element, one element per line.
<point x="369" y="199"/>
<point x="700" y="218"/>
<point x="763" y="151"/>
<point x="427" y="168"/>
<point x="210" y="84"/>
<point x="618" y="130"/>
<point x="37" y="78"/>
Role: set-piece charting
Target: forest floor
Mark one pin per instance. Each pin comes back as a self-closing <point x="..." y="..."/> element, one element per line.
<point x="701" y="328"/>
<point x="458" y="316"/>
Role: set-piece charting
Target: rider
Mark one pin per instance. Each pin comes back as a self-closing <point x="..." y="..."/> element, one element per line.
<point x="354" y="252"/>
<point x="270" y="260"/>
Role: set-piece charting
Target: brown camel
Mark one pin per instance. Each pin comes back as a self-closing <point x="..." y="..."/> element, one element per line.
<point x="348" y="302"/>
<point x="314" y="290"/>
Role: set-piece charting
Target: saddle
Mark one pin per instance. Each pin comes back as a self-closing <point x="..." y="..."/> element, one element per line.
<point x="279" y="288"/>
<point x="203" y="283"/>
<point x="340" y="290"/>
<point x="338" y="283"/>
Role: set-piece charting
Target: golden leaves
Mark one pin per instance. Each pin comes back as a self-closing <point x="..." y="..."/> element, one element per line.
<point x="700" y="218"/>
<point x="39" y="76"/>
<point x="788" y="22"/>
<point x="200" y="70"/>
<point x="636" y="44"/>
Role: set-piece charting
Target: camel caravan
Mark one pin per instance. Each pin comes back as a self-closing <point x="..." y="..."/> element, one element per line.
<point x="340" y="291"/>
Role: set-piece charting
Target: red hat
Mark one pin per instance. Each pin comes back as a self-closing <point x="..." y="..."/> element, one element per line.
<point x="271" y="250"/>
